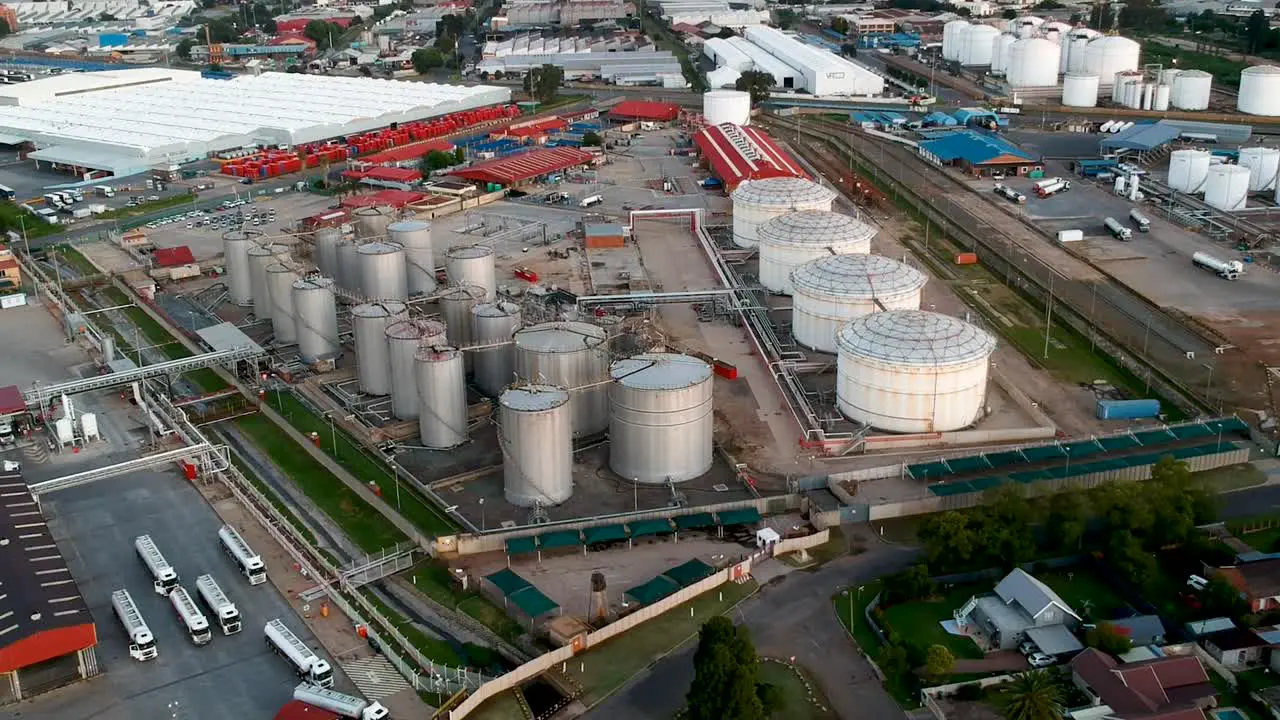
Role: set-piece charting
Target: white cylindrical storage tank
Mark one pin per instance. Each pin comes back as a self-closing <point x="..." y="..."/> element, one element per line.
<point x="1148" y="94"/>
<point x="791" y="240"/>
<point x="1027" y="26"/>
<point x="235" y="248"/>
<point x="1080" y="90"/>
<point x="280" y="280"/>
<point x="952" y="38"/>
<point x="1033" y="62"/>
<point x="442" y="397"/>
<point x="472" y="265"/>
<point x="572" y="355"/>
<point x="1056" y="26"/>
<point x="831" y="291"/>
<point x="1000" y="52"/>
<point x="455" y="306"/>
<point x="727" y="106"/>
<point x="403" y="342"/>
<point x="1120" y="85"/>
<point x="1188" y="170"/>
<point x="1133" y="94"/>
<point x="370" y="322"/>
<point x="348" y="267"/>
<point x="1263" y="163"/>
<point x="537" y="445"/>
<point x="495" y="367"/>
<point x="326" y="254"/>
<point x="371" y="222"/>
<point x="419" y="256"/>
<point x="1079" y="44"/>
<point x="757" y="201"/>
<point x="912" y="371"/>
<point x="1108" y="55"/>
<point x="660" y="420"/>
<point x="1191" y="90"/>
<point x="316" y="310"/>
<point x="979" y="42"/>
<point x="260" y="256"/>
<point x="1168" y="75"/>
<point x="1259" y="91"/>
<point x="382" y="271"/>
<point x="1227" y="187"/>
<point x="1161" y="101"/>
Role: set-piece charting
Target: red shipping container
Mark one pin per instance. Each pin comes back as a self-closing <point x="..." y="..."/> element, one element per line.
<point x="967" y="258"/>
<point x="725" y="370"/>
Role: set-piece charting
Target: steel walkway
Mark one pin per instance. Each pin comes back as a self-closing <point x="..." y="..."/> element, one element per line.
<point x="142" y="463"/>
<point x="40" y="395"/>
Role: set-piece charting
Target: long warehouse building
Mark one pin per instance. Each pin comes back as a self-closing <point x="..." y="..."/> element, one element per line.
<point x="129" y="121"/>
<point x="793" y="64"/>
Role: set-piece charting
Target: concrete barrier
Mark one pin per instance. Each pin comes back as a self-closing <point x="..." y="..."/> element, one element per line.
<point x="789" y="545"/>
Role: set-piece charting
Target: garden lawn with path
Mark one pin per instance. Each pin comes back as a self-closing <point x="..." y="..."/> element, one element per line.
<point x="919" y="622"/>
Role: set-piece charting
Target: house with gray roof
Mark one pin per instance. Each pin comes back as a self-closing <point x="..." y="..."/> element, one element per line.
<point x="1021" y="608"/>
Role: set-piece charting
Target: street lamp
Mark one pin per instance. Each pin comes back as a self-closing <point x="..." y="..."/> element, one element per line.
<point x="481" y="514"/>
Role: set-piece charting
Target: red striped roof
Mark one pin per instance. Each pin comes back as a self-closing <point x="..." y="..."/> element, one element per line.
<point x="407" y="152"/>
<point x="738" y="153"/>
<point x="644" y="110"/>
<point x="532" y="164"/>
<point x="392" y="198"/>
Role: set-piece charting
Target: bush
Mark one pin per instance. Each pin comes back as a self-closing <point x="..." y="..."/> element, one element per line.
<point x="970" y="692"/>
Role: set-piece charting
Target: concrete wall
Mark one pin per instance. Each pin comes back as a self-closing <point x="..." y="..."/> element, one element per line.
<point x="941" y="691"/>
<point x="801" y="543"/>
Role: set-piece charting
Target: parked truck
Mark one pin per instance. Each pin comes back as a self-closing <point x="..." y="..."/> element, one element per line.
<point x="163" y="577"/>
<point x="219" y="604"/>
<point x="309" y="666"/>
<point x="1226" y="269"/>
<point x="142" y="644"/>
<point x="1066" y="236"/>
<point x="1140" y="221"/>
<point x="1010" y="194"/>
<point x="347" y="706"/>
<point x="247" y="561"/>
<point x="1120" y="232"/>
<point x="193" y="620"/>
<point x="1052" y="187"/>
<point x="591" y="200"/>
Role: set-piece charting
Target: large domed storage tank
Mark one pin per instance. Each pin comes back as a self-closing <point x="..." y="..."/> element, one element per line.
<point x="370" y="322"/>
<point x="1025" y="27"/>
<point x="472" y="265"/>
<point x="1110" y="54"/>
<point x="831" y="291"/>
<point x="1000" y="52"/>
<point x="371" y="222"/>
<point x="419" y="256"/>
<point x="326" y="254"/>
<point x="952" y="37"/>
<point x="1259" y="91"/>
<point x="660" y="423"/>
<point x="491" y="324"/>
<point x="235" y="249"/>
<point x="382" y="271"/>
<point x="979" y="42"/>
<point x="1227" y="187"/>
<point x="1080" y="90"/>
<point x="316" y="309"/>
<point x="1033" y="62"/>
<point x="574" y="356"/>
<point x="1188" y="170"/>
<point x="537" y="445"/>
<point x="912" y="371"/>
<point x="404" y="339"/>
<point x="1074" y="46"/>
<point x="758" y="201"/>
<point x="442" y="397"/>
<point x="280" y="280"/>
<point x="791" y="240"/>
<point x="1191" y="90"/>
<point x="1056" y="30"/>
<point x="1263" y="164"/>
<point x="260" y="256"/>
<point x="727" y="106"/>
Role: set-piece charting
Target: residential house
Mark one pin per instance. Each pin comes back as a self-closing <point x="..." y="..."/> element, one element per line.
<point x="10" y="272"/>
<point x="1021" y="608"/>
<point x="1169" y="688"/>
<point x="1270" y="634"/>
<point x="1258" y="582"/>
<point x="1140" y="629"/>
<point x="1200" y="628"/>
<point x="1235" y="648"/>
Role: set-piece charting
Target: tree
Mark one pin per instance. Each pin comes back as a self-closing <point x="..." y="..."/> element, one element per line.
<point x="106" y="17"/>
<point x="425" y="60"/>
<point x="220" y="30"/>
<point x="436" y="160"/>
<point x="1068" y="518"/>
<point x="268" y="25"/>
<point x="724" y="683"/>
<point x="939" y="661"/>
<point x="184" y="48"/>
<point x="1050" y="5"/>
<point x="446" y="43"/>
<point x="459" y="155"/>
<point x="910" y="584"/>
<point x="1221" y="598"/>
<point x="1032" y="696"/>
<point x="1009" y="14"/>
<point x="544" y="82"/>
<point x="786" y="18"/>
<point x="756" y="82"/>
<point x="840" y="24"/>
<point x="591" y="139"/>
<point x="1108" y="639"/>
<point x="725" y="33"/>
<point x="947" y="538"/>
<point x="895" y="660"/>
<point x="322" y="33"/>
<point x="4" y="27"/>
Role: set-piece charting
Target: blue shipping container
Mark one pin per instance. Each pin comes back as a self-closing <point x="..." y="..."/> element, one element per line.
<point x="112" y="40"/>
<point x="1128" y="409"/>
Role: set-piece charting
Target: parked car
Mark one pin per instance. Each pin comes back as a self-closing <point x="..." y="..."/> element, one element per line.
<point x="1040" y="660"/>
<point x="1028" y="648"/>
<point x="1195" y="582"/>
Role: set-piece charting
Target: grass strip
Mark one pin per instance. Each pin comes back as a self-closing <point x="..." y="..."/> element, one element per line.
<point x="434" y="581"/>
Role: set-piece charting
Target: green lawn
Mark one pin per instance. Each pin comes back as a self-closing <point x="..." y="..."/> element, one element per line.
<point x="433" y="580"/>
<point x="271" y="497"/>
<point x="919" y="622"/>
<point x="1232" y="477"/>
<point x="796" y="704"/>
<point x="1258" y="678"/>
<point x="74" y="258"/>
<point x="618" y="659"/>
<point x="1224" y="70"/>
<point x="1262" y="533"/>
<point x="431" y="648"/>
<point x="146" y="208"/>
<point x="1079" y="587"/>
<point x="205" y="378"/>
<point x="849" y="606"/>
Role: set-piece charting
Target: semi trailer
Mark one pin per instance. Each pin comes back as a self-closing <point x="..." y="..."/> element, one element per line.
<point x="163" y="577"/>
<point x="142" y="644"/>
<point x="347" y="706"/>
<point x="306" y="663"/>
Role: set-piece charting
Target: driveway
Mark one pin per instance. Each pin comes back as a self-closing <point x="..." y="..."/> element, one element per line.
<point x="790" y="618"/>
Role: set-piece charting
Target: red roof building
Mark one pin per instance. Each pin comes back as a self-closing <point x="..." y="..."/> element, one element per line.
<point x="1168" y="688"/>
<point x="736" y="154"/>
<point x="292" y="38"/>
<point x="390" y="198"/>
<point x="525" y="166"/>
<point x="405" y="153"/>
<point x="533" y="128"/>
<point x="173" y="256"/>
<point x="644" y="110"/>
<point x="400" y="175"/>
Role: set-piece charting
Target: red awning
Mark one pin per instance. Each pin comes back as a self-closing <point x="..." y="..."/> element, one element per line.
<point x="173" y="257"/>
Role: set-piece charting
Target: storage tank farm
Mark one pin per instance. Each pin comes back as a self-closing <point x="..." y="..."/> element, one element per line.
<point x="758" y="201"/>
<point x="235" y="248"/>
<point x="979" y="41"/>
<point x="404" y="339"/>
<point x="280" y="280"/>
<point x="1033" y="62"/>
<point x="261" y="256"/>
<point x="789" y="241"/>
<point x="419" y="255"/>
<point x="1000" y="52"/>
<point x="373" y="364"/>
<point x="535" y="431"/>
<point x="494" y="324"/>
<point x="316" y="312"/>
<point x="1080" y="90"/>
<point x="1263" y="164"/>
<point x="1227" y="187"/>
<point x="574" y="356"/>
<point x="1191" y="90"/>
<point x="660" y="418"/>
<point x="831" y="291"/>
<point x="442" y="396"/>
<point x="951" y="37"/>
<point x="382" y="271"/>
<point x="326" y="253"/>
<point x="472" y="265"/>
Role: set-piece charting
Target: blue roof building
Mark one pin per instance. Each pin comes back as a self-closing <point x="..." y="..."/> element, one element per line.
<point x="939" y="119"/>
<point x="977" y="151"/>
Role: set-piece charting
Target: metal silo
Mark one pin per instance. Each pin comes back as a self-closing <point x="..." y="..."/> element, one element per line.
<point x="455" y="306"/>
<point x="235" y="248"/>
<point x="419" y="257"/>
<point x="327" y="240"/>
<point x="660" y="418"/>
<point x="316" y="312"/>
<point x="403" y="341"/>
<point x="382" y="271"/>
<point x="757" y="201"/>
<point x="372" y="222"/>
<point x="572" y="355"/>
<point x="472" y="265"/>
<point x="280" y="280"/>
<point x="493" y="323"/>
<point x="260" y="256"/>
<point x="348" y="267"/>
<point x="788" y="241"/>
<point x="442" y="397"/>
<point x="831" y="291"/>
<point x="537" y="445"/>
<point x="370" y="321"/>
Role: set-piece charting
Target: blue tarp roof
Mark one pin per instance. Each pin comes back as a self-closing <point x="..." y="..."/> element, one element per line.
<point x="938" y="118"/>
<point x="1144" y="136"/>
<point x="973" y="147"/>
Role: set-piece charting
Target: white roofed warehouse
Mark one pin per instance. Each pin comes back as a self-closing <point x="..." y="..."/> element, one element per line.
<point x="824" y="73"/>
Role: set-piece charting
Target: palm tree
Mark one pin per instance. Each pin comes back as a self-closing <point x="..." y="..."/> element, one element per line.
<point x="1033" y="695"/>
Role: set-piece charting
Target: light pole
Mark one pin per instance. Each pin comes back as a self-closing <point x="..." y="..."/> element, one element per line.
<point x="481" y="514"/>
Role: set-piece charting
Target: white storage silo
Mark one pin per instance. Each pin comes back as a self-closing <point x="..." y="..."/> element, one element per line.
<point x="1026" y="26"/>
<point x="491" y="324"/>
<point x="1080" y="90"/>
<point x="455" y="306"/>
<point x="1148" y="94"/>
<point x="1259" y="91"/>
<point x="572" y="355"/>
<point x="1263" y="164"/>
<point x="831" y="291"/>
<point x="757" y="201"/>
<point x="1120" y="90"/>
<point x="280" y="280"/>
<point x="1033" y="62"/>
<point x="442" y="397"/>
<point x="403" y="341"/>
<point x="419" y="256"/>
<point x="371" y="222"/>
<point x="316" y="310"/>
<point x="1188" y="170"/>
<point x="326" y="254"/>
<point x="1168" y="75"/>
<point x="1227" y="187"/>
<point x="370" y="322"/>
<point x="472" y="265"/>
<point x="1108" y="55"/>
<point x="791" y="240"/>
<point x="1000" y="52"/>
<point x="978" y="44"/>
<point x="912" y="371"/>
<point x="537" y="445"/>
<point x="1079" y="43"/>
<point x="952" y="38"/>
<point x="260" y="256"/>
<point x="349" y="267"/>
<point x="1191" y="90"/>
<point x="727" y="106"/>
<point x="382" y="271"/>
<point x="1161" y="101"/>
<point x="660" y="420"/>
<point x="235" y="248"/>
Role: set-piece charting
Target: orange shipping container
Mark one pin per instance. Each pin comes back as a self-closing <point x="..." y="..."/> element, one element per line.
<point x="967" y="259"/>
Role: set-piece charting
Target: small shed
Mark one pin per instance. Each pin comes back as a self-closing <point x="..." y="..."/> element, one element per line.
<point x="173" y="256"/>
<point x="767" y="537"/>
<point x="604" y="235"/>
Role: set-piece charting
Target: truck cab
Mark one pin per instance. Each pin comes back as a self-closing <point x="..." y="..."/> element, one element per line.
<point x="7" y="435"/>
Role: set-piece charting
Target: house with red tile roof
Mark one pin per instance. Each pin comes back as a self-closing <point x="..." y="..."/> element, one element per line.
<point x="1167" y="688"/>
